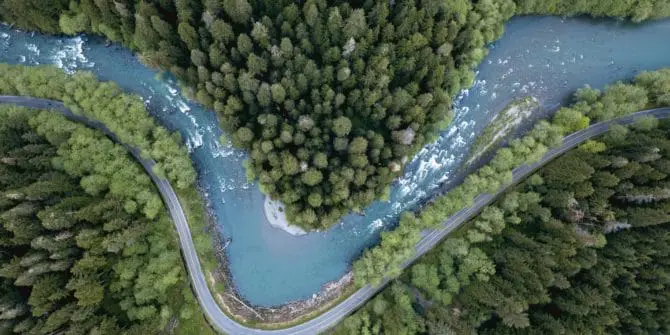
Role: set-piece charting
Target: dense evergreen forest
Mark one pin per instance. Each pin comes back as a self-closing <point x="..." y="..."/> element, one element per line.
<point x="581" y="247"/>
<point x="126" y="116"/>
<point x="649" y="89"/>
<point x="331" y="98"/>
<point x="86" y="245"/>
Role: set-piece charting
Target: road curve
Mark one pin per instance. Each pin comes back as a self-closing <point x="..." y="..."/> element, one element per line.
<point x="225" y="324"/>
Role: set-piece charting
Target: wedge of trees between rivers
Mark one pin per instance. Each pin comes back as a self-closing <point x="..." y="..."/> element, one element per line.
<point x="580" y="247"/>
<point x="86" y="246"/>
<point x="331" y="98"/>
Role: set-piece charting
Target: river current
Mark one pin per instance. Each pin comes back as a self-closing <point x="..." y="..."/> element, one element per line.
<point x="544" y="57"/>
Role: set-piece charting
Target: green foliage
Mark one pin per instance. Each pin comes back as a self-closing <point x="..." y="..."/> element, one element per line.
<point x="578" y="282"/>
<point x="123" y="114"/>
<point x="311" y="177"/>
<point x="388" y="67"/>
<point x="570" y="120"/>
<point x="76" y="257"/>
<point x="527" y="149"/>
<point x="551" y="257"/>
<point x="341" y="126"/>
<point x="645" y="123"/>
<point x="335" y="70"/>
<point x="34" y="14"/>
<point x="556" y="252"/>
<point x="389" y="313"/>
<point x="635" y="10"/>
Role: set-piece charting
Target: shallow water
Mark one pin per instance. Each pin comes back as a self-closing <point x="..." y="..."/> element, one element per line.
<point x="545" y="57"/>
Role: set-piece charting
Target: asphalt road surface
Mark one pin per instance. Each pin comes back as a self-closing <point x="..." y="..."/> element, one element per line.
<point x="213" y="312"/>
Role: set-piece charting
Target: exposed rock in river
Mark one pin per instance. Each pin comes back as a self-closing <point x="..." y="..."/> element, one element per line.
<point x="274" y="212"/>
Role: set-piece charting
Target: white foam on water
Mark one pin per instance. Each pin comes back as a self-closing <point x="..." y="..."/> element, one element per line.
<point x="450" y="160"/>
<point x="194" y="141"/>
<point x="224" y="187"/>
<point x="71" y="56"/>
<point x="450" y="132"/>
<point x="375" y="225"/>
<point x="462" y="111"/>
<point x="442" y="179"/>
<point x="222" y="151"/>
<point x="33" y="49"/>
<point x="504" y="61"/>
<point x="459" y="141"/>
<point x="183" y="107"/>
<point x="507" y="73"/>
<point x="406" y="189"/>
<point x="426" y="167"/>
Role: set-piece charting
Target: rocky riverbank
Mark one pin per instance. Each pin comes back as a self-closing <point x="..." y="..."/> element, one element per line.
<point x="274" y="213"/>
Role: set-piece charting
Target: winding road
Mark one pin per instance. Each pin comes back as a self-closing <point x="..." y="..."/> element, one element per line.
<point x="224" y="323"/>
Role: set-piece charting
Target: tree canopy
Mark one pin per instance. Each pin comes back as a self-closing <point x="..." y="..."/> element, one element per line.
<point x="647" y="90"/>
<point x="296" y="80"/>
<point x="85" y="241"/>
<point x="363" y="84"/>
<point x="579" y="247"/>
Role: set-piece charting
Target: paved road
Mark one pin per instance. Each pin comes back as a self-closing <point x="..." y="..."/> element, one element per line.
<point x="328" y="319"/>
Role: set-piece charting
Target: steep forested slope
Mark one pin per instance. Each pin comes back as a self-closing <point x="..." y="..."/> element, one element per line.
<point x="85" y="243"/>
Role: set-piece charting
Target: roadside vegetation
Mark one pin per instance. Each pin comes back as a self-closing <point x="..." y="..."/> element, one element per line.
<point x="650" y="89"/>
<point x="86" y="245"/>
<point x="502" y="126"/>
<point x="126" y="116"/>
<point x="579" y="247"/>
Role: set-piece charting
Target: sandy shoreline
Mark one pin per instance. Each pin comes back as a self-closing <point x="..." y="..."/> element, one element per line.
<point x="274" y="213"/>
